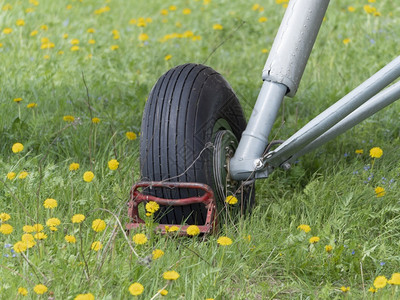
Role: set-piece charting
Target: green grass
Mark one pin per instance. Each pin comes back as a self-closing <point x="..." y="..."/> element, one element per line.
<point x="331" y="189"/>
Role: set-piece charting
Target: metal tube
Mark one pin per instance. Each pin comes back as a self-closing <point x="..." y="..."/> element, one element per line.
<point x="255" y="138"/>
<point x="335" y="113"/>
<point x="293" y="43"/>
<point x="282" y="73"/>
<point x="380" y="101"/>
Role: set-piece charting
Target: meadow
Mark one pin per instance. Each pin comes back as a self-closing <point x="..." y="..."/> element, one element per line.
<point x="75" y="76"/>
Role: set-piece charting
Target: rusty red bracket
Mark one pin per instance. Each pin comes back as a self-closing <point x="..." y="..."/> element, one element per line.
<point x="137" y="197"/>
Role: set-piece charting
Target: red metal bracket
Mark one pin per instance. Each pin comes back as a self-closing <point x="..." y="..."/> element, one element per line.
<point x="137" y="197"/>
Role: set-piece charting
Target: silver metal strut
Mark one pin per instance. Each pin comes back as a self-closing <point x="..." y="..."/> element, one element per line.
<point x="322" y="123"/>
<point x="281" y="75"/>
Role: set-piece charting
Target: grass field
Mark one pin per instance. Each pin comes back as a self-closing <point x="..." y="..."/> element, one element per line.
<point x="75" y="76"/>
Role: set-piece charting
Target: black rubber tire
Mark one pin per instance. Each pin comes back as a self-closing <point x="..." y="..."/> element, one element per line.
<point x="177" y="126"/>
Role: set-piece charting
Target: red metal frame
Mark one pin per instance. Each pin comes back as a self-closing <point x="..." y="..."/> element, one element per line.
<point x="137" y="197"/>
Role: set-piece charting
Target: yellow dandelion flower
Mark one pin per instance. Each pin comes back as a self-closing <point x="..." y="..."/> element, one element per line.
<point x="171" y="275"/>
<point x="380" y="191"/>
<point x="132" y="21"/>
<point x="6" y="229"/>
<point x="60" y="52"/>
<point x="232" y="200"/>
<point x="224" y="241"/>
<point x="143" y="37"/>
<point x="95" y="120"/>
<point x="131" y="135"/>
<point x="4" y="217"/>
<point x="263" y="19"/>
<point x="40" y="289"/>
<point x="88" y="296"/>
<point x="152" y="206"/>
<point x="92" y="42"/>
<point x="164" y="12"/>
<point x="375" y="152"/>
<point x="50" y="203"/>
<point x="28" y="229"/>
<point x="7" y="30"/>
<point x="377" y="14"/>
<point x="20" y="247"/>
<point x="359" y="151"/>
<point x="139" y="239"/>
<point x="163" y="292"/>
<point x="34" y="2"/>
<point x="395" y="280"/>
<point x="345" y="289"/>
<point x="17" y="147"/>
<point x="29" y="10"/>
<point x="314" y="239"/>
<point x="157" y="253"/>
<point x="74" y="42"/>
<point x="328" y="248"/>
<point x="26" y="237"/>
<point x="31" y="105"/>
<point x="17" y="100"/>
<point x="114" y="47"/>
<point x="264" y="50"/>
<point x="65" y="36"/>
<point x="351" y="9"/>
<point x="68" y="7"/>
<point x="11" y="175"/>
<point x="1" y="45"/>
<point x="96" y="246"/>
<point x="98" y="225"/>
<point x="53" y="228"/>
<point x="29" y="243"/>
<point x="88" y="176"/>
<point x="37" y="227"/>
<point x="91" y="30"/>
<point x="167" y="57"/>
<point x="136" y="289"/>
<point x="20" y="22"/>
<point x="113" y="164"/>
<point x="40" y="236"/>
<point x="193" y="230"/>
<point x="255" y="6"/>
<point x="372" y="290"/>
<point x="23" y="175"/>
<point x="33" y="33"/>
<point x="22" y="291"/>
<point x="171" y="229"/>
<point x="70" y="239"/>
<point x="186" y="11"/>
<point x="141" y="23"/>
<point x="68" y="118"/>
<point x="78" y="218"/>
<point x="304" y="227"/>
<point x="380" y="282"/>
<point x="172" y="8"/>
<point x="74" y="48"/>
<point x="369" y="9"/>
<point x="53" y="222"/>
<point x="7" y="7"/>
<point x="217" y="27"/>
<point x="346" y="41"/>
<point x="48" y="45"/>
<point x="73" y="166"/>
<point x="44" y="27"/>
<point x="206" y="2"/>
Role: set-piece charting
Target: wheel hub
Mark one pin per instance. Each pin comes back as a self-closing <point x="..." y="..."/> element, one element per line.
<point x="225" y="144"/>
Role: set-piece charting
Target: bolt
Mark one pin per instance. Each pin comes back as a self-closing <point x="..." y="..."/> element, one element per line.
<point x="286" y="166"/>
<point x="258" y="164"/>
